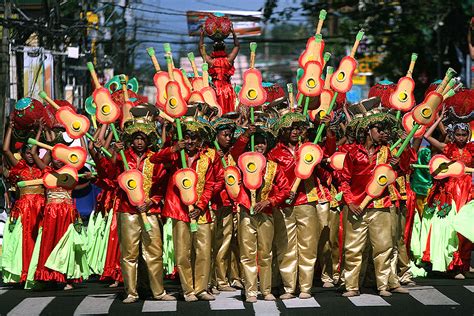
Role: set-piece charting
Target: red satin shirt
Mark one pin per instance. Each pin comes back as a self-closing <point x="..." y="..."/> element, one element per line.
<point x="173" y="207"/>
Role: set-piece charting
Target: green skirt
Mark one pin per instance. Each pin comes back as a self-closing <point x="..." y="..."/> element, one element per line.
<point x="12" y="251"/>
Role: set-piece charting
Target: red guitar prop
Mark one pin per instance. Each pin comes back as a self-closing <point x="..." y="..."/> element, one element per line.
<point x="252" y="93"/>
<point x="336" y="161"/>
<point x="208" y="92"/>
<point x="66" y="178"/>
<point x="307" y="157"/>
<point x="324" y="99"/>
<point x="403" y="99"/>
<point x="341" y="81"/>
<point x="160" y="79"/>
<point x="126" y="115"/>
<point x="441" y="167"/>
<point x="251" y="164"/>
<point x="73" y="156"/>
<point x="232" y="180"/>
<point x="175" y="105"/>
<point x="197" y="82"/>
<point x="185" y="180"/>
<point x="382" y="176"/>
<point x="315" y="44"/>
<point x="408" y="124"/>
<point x="131" y="181"/>
<point x="311" y="84"/>
<point x="107" y="111"/>
<point x="76" y="125"/>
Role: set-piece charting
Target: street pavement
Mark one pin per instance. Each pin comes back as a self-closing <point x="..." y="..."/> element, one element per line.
<point x="433" y="296"/>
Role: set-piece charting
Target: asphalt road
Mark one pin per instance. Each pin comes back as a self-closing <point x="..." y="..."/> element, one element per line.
<point x="432" y="296"/>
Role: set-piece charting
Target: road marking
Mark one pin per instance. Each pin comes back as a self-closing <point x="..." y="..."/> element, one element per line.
<point x="227" y="300"/>
<point x="469" y="287"/>
<point x="265" y="308"/>
<point x="431" y="296"/>
<point x="297" y="303"/>
<point x="31" y="306"/>
<point x="159" y="306"/>
<point x="368" y="300"/>
<point x="3" y="290"/>
<point x="95" y="304"/>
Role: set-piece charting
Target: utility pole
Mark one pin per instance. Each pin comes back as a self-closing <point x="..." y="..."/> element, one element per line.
<point x="5" y="68"/>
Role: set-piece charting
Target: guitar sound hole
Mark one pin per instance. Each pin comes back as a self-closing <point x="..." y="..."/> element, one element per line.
<point x="311" y="83"/>
<point x="106" y="109"/>
<point x="230" y="180"/>
<point x="252" y="94"/>
<point x="341" y="76"/>
<point x="73" y="158"/>
<point x="402" y="96"/>
<point x="76" y="125"/>
<point x="308" y="158"/>
<point x="426" y="113"/>
<point x="251" y="167"/>
<point x="382" y="180"/>
<point x="187" y="183"/>
<point x="173" y="103"/>
<point x="131" y="184"/>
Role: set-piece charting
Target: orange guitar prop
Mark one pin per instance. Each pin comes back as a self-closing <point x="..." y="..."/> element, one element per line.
<point x="251" y="164"/>
<point x="76" y="125"/>
<point x="341" y="81"/>
<point x="73" y="156"/>
<point x="307" y="157"/>
<point x="175" y="105"/>
<point x="131" y="181"/>
<point x="252" y="93"/>
<point x="160" y="79"/>
<point x="408" y="125"/>
<point x="425" y="113"/>
<point x="107" y="111"/>
<point x="177" y="75"/>
<point x="207" y="92"/>
<point x="66" y="178"/>
<point x="336" y="161"/>
<point x="324" y="99"/>
<point x="232" y="180"/>
<point x="403" y="99"/>
<point x="311" y="84"/>
<point x="197" y="82"/>
<point x="382" y="176"/>
<point x="441" y="167"/>
<point x="185" y="180"/>
<point x="126" y="115"/>
<point x="315" y="44"/>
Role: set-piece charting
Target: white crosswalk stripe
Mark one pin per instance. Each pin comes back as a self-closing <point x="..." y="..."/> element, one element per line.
<point x="430" y="296"/>
<point x="31" y="306"/>
<point x="95" y="304"/>
<point x="159" y="306"/>
<point x="3" y="290"/>
<point x="297" y="303"/>
<point x="227" y="301"/>
<point x="469" y="287"/>
<point x="265" y="308"/>
<point x="368" y="300"/>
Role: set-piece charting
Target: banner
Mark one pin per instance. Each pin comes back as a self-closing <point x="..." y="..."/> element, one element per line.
<point x="246" y="23"/>
<point x="37" y="72"/>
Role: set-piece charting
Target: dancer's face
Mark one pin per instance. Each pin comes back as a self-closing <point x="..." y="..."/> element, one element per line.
<point x="461" y="137"/>
<point x="224" y="138"/>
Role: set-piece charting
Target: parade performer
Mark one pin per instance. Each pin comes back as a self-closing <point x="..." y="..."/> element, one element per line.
<point x="457" y="189"/>
<point x="295" y="225"/>
<point x="256" y="231"/>
<point x="373" y="223"/>
<point x="221" y="69"/>
<point x="138" y="136"/>
<point x="226" y="223"/>
<point x="192" y="249"/>
<point x="26" y="212"/>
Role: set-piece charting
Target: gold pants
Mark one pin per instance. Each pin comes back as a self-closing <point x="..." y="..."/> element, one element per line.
<point x="374" y="225"/>
<point x="193" y="256"/>
<point x="226" y="248"/>
<point x="255" y="243"/>
<point x="328" y="248"/>
<point x="131" y="235"/>
<point x="296" y="243"/>
<point x="400" y="262"/>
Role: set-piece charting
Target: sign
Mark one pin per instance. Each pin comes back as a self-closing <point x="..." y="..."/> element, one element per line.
<point x="367" y="64"/>
<point x="359" y="80"/>
<point x="246" y="23"/>
<point x="37" y="72"/>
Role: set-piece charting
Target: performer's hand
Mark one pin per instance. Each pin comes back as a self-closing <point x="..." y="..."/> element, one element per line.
<point x="394" y="161"/>
<point x="252" y="129"/>
<point x="292" y="195"/>
<point x="355" y="209"/>
<point x="142" y="208"/>
<point x="181" y="144"/>
<point x="194" y="214"/>
<point x="220" y="153"/>
<point x="118" y="146"/>
<point x="98" y="143"/>
<point x="326" y="120"/>
<point x="260" y="206"/>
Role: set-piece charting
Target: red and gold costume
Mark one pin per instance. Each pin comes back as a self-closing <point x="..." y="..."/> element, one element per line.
<point x="194" y="275"/>
<point x="30" y="207"/>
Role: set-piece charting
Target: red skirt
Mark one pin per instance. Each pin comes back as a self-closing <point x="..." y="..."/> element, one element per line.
<point x="30" y="207"/>
<point x="56" y="220"/>
<point x="112" y="270"/>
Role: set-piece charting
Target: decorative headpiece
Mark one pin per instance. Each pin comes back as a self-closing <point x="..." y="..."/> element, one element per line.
<point x="288" y="119"/>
